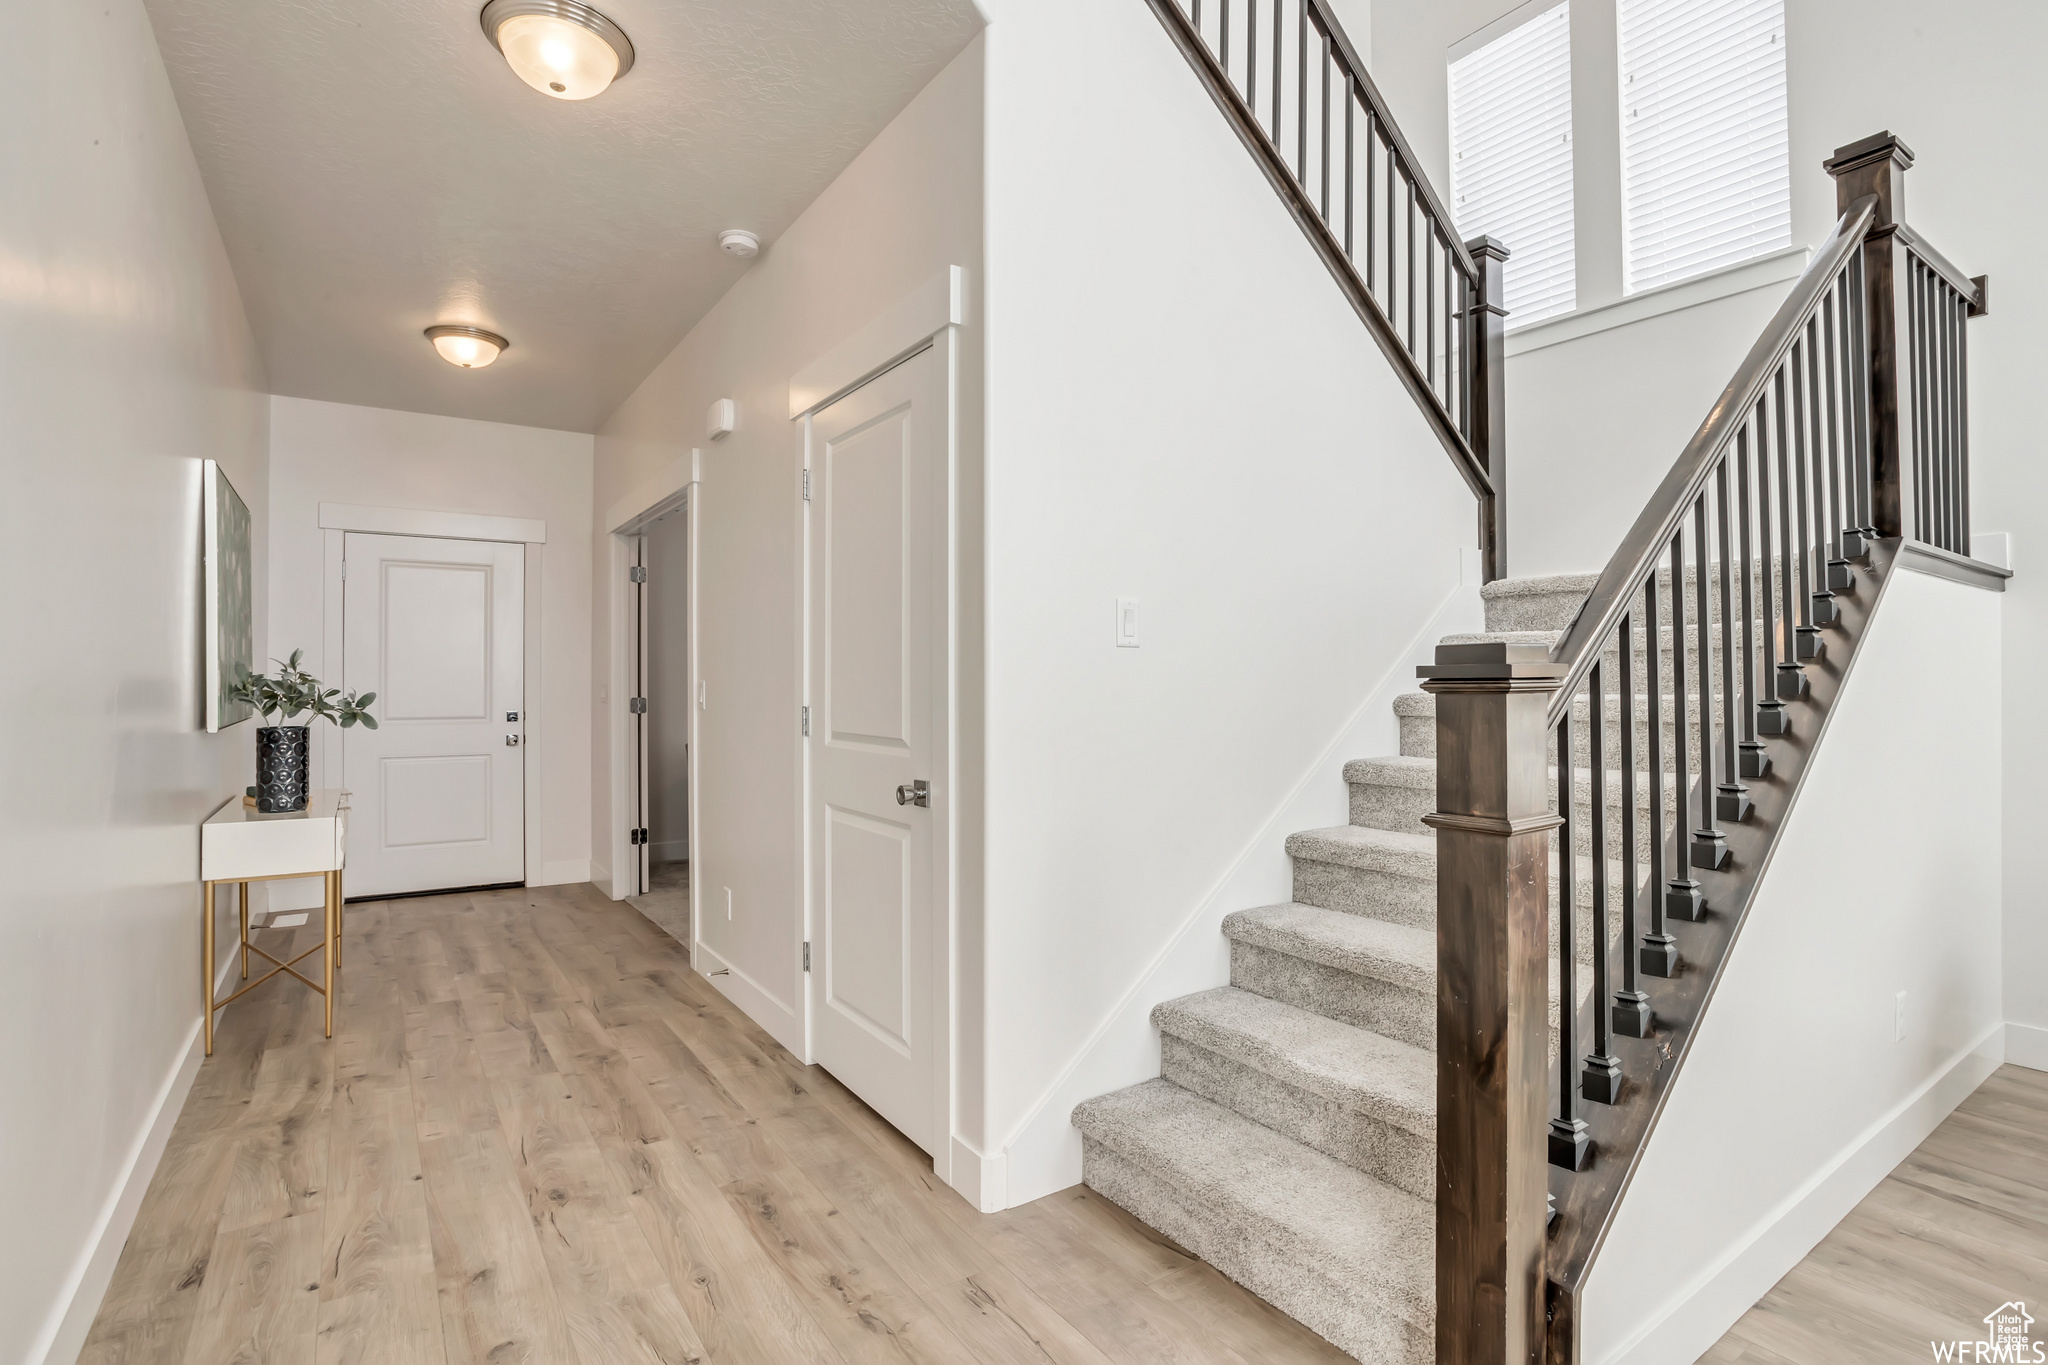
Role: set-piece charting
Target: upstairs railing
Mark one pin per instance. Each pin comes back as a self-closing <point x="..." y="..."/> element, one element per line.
<point x="1292" y="87"/>
<point x="1646" y="762"/>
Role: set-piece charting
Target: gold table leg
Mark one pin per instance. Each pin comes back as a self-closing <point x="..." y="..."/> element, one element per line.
<point x="242" y="895"/>
<point x="206" y="966"/>
<point x="332" y="919"/>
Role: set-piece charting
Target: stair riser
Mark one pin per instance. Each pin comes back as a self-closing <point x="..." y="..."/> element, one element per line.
<point x="1418" y="735"/>
<point x="1385" y="1008"/>
<point x="1362" y="891"/>
<point x="1402" y="809"/>
<point x="1382" y="1150"/>
<point x="1348" y="1314"/>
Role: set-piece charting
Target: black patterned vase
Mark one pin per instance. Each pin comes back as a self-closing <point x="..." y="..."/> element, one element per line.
<point x="280" y="769"/>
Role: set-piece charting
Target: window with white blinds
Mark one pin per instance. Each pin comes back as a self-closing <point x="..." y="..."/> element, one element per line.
<point x="1511" y="159"/>
<point x="1705" y="176"/>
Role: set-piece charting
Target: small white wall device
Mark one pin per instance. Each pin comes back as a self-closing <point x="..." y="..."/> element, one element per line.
<point x="719" y="422"/>
<point x="739" y="242"/>
<point x="1126" y="623"/>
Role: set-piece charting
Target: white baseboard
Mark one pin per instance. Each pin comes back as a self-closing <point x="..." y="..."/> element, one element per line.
<point x="1702" y="1312"/>
<point x="981" y="1180"/>
<point x="564" y="872"/>
<point x="755" y="1000"/>
<point x="64" y="1333"/>
<point x="672" y="851"/>
<point x="601" y="878"/>
<point x="2027" y="1045"/>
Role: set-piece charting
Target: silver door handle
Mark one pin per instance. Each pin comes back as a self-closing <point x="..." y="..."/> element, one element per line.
<point x="918" y="793"/>
<point x="511" y="741"/>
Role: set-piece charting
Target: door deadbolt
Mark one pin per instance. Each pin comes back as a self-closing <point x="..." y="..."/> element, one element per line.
<point x="918" y="793"/>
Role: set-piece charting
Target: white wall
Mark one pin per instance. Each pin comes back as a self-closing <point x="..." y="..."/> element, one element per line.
<point x="1596" y="422"/>
<point x="1796" y="1100"/>
<point x="906" y="209"/>
<point x="668" y="688"/>
<point x="1182" y="409"/>
<point x="125" y="360"/>
<point x="336" y="452"/>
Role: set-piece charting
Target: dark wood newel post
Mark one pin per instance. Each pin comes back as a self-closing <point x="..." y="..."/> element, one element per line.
<point x="1493" y="823"/>
<point x="1877" y="165"/>
<point x="1490" y="400"/>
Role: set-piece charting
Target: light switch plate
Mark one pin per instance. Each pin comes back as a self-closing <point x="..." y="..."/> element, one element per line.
<point x="1126" y="623"/>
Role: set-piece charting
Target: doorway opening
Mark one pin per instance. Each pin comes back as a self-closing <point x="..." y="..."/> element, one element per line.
<point x="661" y="716"/>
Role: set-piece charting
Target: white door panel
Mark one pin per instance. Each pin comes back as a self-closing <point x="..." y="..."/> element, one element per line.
<point x="877" y="462"/>
<point x="435" y="629"/>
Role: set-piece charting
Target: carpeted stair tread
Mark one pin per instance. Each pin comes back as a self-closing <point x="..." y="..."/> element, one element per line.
<point x="1398" y="953"/>
<point x="1350" y="1067"/>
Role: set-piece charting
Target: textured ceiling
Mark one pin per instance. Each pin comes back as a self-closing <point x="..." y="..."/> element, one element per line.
<point x="377" y="168"/>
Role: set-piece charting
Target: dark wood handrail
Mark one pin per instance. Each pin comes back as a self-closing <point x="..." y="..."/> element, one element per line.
<point x="1643" y="548"/>
<point x="1473" y="433"/>
<point x="1971" y="289"/>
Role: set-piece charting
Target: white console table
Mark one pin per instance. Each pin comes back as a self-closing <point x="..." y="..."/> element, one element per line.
<point x="236" y="844"/>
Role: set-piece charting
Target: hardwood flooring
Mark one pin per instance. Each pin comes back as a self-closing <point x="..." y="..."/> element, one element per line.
<point x="537" y="1136"/>
<point x="1958" y="1229"/>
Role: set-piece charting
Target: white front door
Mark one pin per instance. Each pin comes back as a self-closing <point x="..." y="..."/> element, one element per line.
<point x="876" y="460"/>
<point x="435" y="629"/>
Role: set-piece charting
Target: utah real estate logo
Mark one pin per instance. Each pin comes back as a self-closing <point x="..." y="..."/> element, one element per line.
<point x="2007" y="1339"/>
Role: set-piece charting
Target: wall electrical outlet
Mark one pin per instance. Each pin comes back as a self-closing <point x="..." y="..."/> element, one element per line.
<point x="1126" y="623"/>
<point x="1899" y="1017"/>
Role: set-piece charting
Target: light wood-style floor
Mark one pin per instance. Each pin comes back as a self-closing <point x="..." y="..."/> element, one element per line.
<point x="1960" y="1228"/>
<point x="536" y="1136"/>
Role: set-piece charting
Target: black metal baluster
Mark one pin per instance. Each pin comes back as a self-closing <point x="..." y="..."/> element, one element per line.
<point x="1408" y="231"/>
<point x="1569" y="1143"/>
<point x="1631" y="1008"/>
<point x="1937" y="377"/>
<point x="1826" y="611"/>
<point x="1601" y="1080"/>
<point x="1731" y="801"/>
<point x="1350" y="159"/>
<point x="1223" y="46"/>
<point x="1709" y="845"/>
<point x="1952" y="397"/>
<point x="1963" y="426"/>
<point x="1301" y="91"/>
<point x="1917" y="311"/>
<point x="1859" y="376"/>
<point x="1281" y="82"/>
<point x="1682" y="897"/>
<point x="1840" y="577"/>
<point x="1659" y="953"/>
<point x="1791" y="676"/>
<point x="1756" y="757"/>
<point x="1326" y="127"/>
<point x="1372" y="222"/>
<point x="1807" y="638"/>
<point x="1771" y="718"/>
<point x="1429" y="306"/>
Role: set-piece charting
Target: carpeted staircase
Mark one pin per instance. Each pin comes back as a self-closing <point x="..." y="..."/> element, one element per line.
<point x="1291" y="1137"/>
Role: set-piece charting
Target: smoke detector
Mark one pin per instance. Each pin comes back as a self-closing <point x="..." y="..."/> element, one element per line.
<point x="739" y="242"/>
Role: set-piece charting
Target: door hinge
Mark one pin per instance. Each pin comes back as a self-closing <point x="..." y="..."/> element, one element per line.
<point x="636" y="705"/>
<point x="807" y="485"/>
<point x="807" y="957"/>
<point x="639" y="836"/>
<point x="636" y="574"/>
<point x="807" y="722"/>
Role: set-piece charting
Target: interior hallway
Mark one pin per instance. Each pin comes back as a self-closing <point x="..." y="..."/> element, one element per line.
<point x="537" y="1136"/>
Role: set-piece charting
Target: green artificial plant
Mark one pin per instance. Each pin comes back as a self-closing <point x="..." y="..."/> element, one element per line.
<point x="295" y="692"/>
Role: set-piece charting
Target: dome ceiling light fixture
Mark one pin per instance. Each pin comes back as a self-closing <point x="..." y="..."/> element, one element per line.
<point x="471" y="348"/>
<point x="564" y="49"/>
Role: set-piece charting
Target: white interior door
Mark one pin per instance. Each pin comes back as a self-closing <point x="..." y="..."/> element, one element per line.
<point x="877" y="462"/>
<point x="434" y="628"/>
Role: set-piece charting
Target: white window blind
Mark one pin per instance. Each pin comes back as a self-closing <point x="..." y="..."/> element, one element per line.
<point x="1705" y="177"/>
<point x="1511" y="159"/>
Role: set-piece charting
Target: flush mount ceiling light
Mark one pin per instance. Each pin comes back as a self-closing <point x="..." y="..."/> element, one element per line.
<point x="470" y="347"/>
<point x="561" y="48"/>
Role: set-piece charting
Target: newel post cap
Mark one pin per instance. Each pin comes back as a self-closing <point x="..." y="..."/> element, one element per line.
<point x="1483" y="661"/>
<point x="1872" y="165"/>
